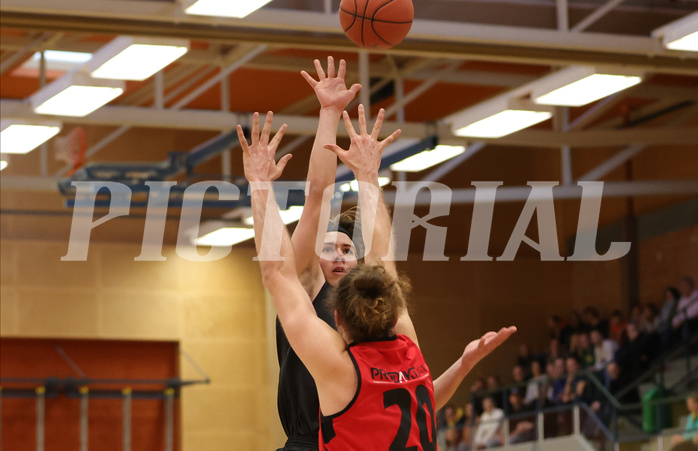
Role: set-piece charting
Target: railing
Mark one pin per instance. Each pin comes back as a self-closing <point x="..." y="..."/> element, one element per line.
<point x="84" y="389"/>
<point x="659" y="362"/>
<point x="583" y="422"/>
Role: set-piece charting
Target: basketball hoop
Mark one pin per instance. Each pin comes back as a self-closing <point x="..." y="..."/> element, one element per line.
<point x="71" y="149"/>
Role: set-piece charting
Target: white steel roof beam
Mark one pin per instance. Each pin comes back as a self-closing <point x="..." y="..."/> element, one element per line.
<point x="319" y="22"/>
<point x="217" y="120"/>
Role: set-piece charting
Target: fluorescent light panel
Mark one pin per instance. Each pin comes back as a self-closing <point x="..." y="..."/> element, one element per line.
<point x="75" y="94"/>
<point x="225" y="236"/>
<point x="354" y="184"/>
<point x="503" y="123"/>
<point x="22" y="138"/>
<point x="225" y="8"/>
<point x="427" y="158"/>
<point x="135" y="58"/>
<point x="499" y="116"/>
<point x="687" y="43"/>
<point x="3" y="164"/>
<point x="293" y="214"/>
<point x="58" y="60"/>
<point x="580" y="85"/>
<point x="681" y="34"/>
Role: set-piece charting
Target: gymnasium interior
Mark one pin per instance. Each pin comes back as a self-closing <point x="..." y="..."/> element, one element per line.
<point x="149" y="349"/>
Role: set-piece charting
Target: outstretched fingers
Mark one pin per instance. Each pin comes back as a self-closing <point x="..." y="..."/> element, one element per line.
<point x="348" y="125"/>
<point x="281" y="165"/>
<point x="390" y="139"/>
<point x="311" y="81"/>
<point x="266" y="131"/>
<point x="501" y="336"/>
<point x="342" y="71"/>
<point x="378" y="124"/>
<point x="255" y="129"/>
<point x="242" y="139"/>
<point x="274" y="144"/>
<point x="330" y="67"/>
<point x="336" y="149"/>
<point x="320" y="71"/>
<point x="362" y="120"/>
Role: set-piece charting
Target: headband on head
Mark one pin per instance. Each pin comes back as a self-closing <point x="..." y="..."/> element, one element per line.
<point x="338" y="228"/>
<point x="358" y="244"/>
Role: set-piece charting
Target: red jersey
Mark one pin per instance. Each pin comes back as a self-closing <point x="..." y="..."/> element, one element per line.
<point x="393" y="408"/>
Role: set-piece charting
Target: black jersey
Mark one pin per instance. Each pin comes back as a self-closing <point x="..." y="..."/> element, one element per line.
<point x="297" y="399"/>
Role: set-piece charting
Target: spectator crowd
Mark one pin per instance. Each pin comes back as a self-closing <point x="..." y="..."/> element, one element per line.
<point x="617" y="350"/>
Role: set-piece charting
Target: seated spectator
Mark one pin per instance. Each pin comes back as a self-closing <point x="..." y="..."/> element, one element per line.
<point x="641" y="348"/>
<point x="614" y="380"/>
<point x="617" y="327"/>
<point x="489" y="425"/>
<point x="650" y="318"/>
<point x="555" y="351"/>
<point x="521" y="428"/>
<point x="604" y="350"/>
<point x="449" y="429"/>
<point x="594" y="321"/>
<point x="576" y="322"/>
<point x="635" y="313"/>
<point x="467" y="429"/>
<point x="571" y="381"/>
<point x="691" y="431"/>
<point x="585" y="351"/>
<point x="518" y="375"/>
<point x="573" y="345"/>
<point x="557" y="382"/>
<point x="671" y="300"/>
<point x="477" y="394"/>
<point x="493" y="386"/>
<point x="559" y="329"/>
<point x="525" y="357"/>
<point x="686" y="310"/>
<point x="536" y="385"/>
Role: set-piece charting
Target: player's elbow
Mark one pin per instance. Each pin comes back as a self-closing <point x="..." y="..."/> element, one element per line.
<point x="274" y="271"/>
<point x="316" y="187"/>
<point x="271" y="271"/>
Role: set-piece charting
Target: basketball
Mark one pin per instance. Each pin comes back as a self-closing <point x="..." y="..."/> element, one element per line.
<point x="373" y="24"/>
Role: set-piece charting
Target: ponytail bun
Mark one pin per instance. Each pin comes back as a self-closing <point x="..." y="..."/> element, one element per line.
<point x="370" y="284"/>
<point x="369" y="300"/>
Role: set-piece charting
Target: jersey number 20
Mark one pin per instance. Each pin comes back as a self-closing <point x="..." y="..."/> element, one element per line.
<point x="401" y="397"/>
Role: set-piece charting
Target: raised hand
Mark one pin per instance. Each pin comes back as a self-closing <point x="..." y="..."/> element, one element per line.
<point x="479" y="349"/>
<point x="258" y="158"/>
<point x="365" y="151"/>
<point x="331" y="89"/>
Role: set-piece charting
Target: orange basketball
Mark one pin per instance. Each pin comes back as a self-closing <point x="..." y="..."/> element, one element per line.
<point x="376" y="23"/>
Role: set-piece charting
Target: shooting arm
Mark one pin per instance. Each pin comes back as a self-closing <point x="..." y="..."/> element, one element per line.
<point x="333" y="97"/>
<point x="320" y="347"/>
<point x="446" y="384"/>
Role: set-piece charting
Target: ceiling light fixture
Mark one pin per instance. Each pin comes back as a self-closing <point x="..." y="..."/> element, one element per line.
<point x="135" y="58"/>
<point x="292" y="214"/>
<point x="22" y="137"/>
<point x="225" y="236"/>
<point x="225" y="8"/>
<point x="681" y="34"/>
<point x="580" y="85"/>
<point x="3" y="164"/>
<point x="57" y="60"/>
<point x="354" y="184"/>
<point x="75" y="94"/>
<point x="498" y="117"/>
<point x="427" y="158"/>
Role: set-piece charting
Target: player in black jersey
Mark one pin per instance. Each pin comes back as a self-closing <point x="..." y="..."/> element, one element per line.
<point x="297" y="397"/>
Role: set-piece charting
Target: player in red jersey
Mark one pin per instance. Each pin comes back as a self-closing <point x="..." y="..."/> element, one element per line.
<point x="380" y="383"/>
